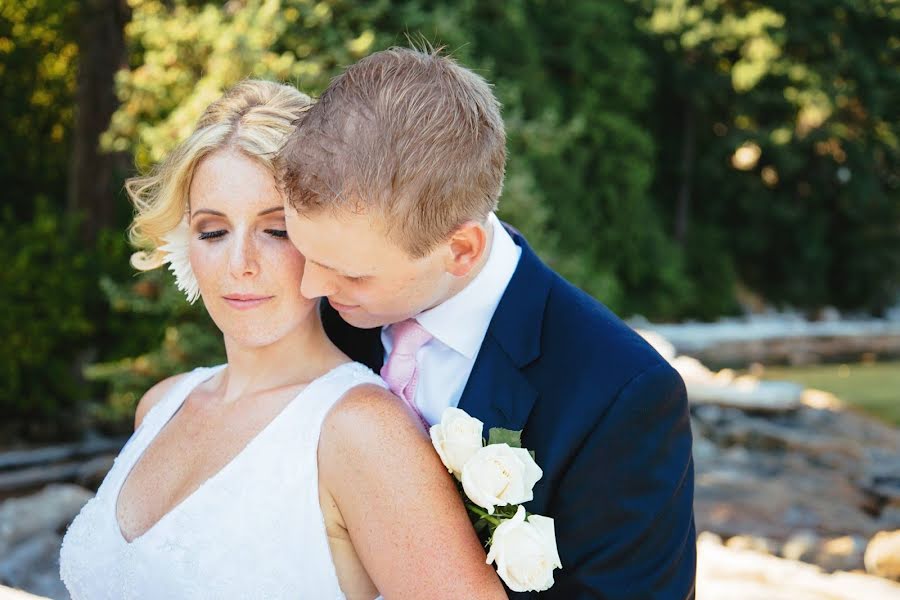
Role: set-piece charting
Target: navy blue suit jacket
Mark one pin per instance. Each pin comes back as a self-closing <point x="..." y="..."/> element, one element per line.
<point x="607" y="418"/>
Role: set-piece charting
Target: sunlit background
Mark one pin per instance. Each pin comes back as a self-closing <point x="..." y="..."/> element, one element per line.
<point x="722" y="174"/>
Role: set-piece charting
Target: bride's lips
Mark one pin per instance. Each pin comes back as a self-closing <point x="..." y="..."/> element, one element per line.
<point x="340" y="307"/>
<point x="245" y="301"/>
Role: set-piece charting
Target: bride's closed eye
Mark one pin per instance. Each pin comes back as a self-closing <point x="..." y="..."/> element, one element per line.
<point x="211" y="235"/>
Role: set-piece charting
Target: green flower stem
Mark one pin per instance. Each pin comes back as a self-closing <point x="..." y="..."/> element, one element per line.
<point x="483" y="514"/>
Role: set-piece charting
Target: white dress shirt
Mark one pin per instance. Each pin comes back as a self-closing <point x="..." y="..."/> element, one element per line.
<point x="459" y="325"/>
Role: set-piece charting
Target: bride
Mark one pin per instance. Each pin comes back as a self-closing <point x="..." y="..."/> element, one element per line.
<point x="289" y="471"/>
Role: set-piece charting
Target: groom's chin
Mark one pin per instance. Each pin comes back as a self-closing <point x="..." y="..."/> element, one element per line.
<point x="358" y="318"/>
<point x="359" y="323"/>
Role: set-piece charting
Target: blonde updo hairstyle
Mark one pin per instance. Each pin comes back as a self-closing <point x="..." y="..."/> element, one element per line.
<point x="254" y="117"/>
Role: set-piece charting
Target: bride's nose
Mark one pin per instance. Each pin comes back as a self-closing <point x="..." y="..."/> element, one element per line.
<point x="243" y="260"/>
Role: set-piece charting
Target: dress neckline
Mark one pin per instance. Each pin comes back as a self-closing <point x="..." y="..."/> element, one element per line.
<point x="211" y="372"/>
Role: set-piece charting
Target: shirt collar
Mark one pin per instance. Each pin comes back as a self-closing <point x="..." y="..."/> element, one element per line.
<point x="462" y="321"/>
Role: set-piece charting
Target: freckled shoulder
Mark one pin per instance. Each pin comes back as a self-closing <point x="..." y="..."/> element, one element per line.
<point x="368" y="424"/>
<point x="371" y="407"/>
<point x="378" y="466"/>
<point x="154" y="395"/>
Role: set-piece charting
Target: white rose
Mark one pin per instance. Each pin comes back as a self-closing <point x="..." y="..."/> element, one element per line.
<point x="525" y="552"/>
<point x="497" y="475"/>
<point x="456" y="438"/>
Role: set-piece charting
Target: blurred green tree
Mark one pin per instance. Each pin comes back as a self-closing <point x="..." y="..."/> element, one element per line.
<point x="777" y="126"/>
<point x="38" y="59"/>
<point x="53" y="314"/>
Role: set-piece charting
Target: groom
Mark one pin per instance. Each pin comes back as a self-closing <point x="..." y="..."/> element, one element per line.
<point x="391" y="183"/>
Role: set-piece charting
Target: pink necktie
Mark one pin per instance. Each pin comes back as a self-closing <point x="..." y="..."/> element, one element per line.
<point x="400" y="370"/>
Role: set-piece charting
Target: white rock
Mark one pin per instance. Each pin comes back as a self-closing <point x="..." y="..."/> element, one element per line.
<point x="883" y="555"/>
<point x="732" y="574"/>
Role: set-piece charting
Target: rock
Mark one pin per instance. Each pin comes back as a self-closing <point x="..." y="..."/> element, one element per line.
<point x="704" y="450"/>
<point x="772" y="494"/>
<point x="822" y="400"/>
<point x="803" y="546"/>
<point x="882" y="473"/>
<point x="708" y="537"/>
<point x="882" y="555"/>
<point x="889" y="518"/>
<point x="48" y="510"/>
<point x="780" y="468"/>
<point x="752" y="542"/>
<point x="734" y="574"/>
<point x="34" y="565"/>
<point x="844" y="553"/>
<point x="707" y="416"/>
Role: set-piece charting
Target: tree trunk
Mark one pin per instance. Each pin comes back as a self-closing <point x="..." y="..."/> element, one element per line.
<point x="688" y="149"/>
<point x="101" y="53"/>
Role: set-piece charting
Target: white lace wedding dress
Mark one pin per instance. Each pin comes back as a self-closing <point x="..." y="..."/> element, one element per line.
<point x="253" y="530"/>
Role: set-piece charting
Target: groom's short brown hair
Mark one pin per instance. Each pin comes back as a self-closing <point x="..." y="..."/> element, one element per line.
<point x="411" y="136"/>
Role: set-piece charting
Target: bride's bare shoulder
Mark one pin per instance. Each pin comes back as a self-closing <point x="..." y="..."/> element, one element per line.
<point x="370" y="421"/>
<point x="373" y="408"/>
<point x="380" y="470"/>
<point x="154" y="395"/>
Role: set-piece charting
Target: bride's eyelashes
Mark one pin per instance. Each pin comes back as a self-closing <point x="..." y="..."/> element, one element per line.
<point x="211" y="235"/>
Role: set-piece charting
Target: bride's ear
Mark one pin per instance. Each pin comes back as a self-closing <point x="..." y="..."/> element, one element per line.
<point x="466" y="247"/>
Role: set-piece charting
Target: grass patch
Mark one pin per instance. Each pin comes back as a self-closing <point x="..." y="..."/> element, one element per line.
<point x="872" y="387"/>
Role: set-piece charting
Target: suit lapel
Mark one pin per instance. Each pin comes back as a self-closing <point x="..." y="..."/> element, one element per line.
<point x="498" y="393"/>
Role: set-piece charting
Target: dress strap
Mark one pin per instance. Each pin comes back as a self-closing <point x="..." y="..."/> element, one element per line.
<point x="160" y="413"/>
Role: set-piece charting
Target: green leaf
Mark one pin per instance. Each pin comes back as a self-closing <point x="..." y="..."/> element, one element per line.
<point x="498" y="435"/>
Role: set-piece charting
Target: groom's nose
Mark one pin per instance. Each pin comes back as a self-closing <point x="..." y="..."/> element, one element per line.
<point x="316" y="282"/>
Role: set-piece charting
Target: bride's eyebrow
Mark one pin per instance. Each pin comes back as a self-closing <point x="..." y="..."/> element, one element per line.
<point x="207" y="211"/>
<point x="217" y="213"/>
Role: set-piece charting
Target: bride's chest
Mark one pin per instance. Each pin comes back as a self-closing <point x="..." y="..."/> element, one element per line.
<point x="244" y="533"/>
<point x="187" y="453"/>
<point x="227" y="455"/>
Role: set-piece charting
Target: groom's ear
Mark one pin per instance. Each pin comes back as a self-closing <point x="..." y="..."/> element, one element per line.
<point x="465" y="248"/>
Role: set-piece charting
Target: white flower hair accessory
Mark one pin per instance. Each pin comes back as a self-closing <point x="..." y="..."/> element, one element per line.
<point x="176" y="254"/>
